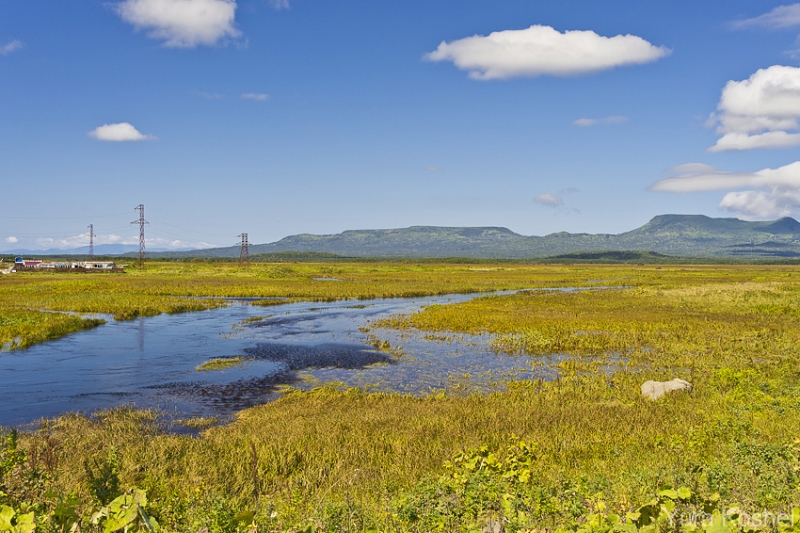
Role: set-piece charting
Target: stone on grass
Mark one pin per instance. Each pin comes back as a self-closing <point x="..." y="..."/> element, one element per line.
<point x="656" y="389"/>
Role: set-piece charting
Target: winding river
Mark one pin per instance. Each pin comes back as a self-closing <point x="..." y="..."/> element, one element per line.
<point x="152" y="362"/>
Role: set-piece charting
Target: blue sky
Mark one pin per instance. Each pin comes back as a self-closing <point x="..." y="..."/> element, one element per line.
<point x="277" y="117"/>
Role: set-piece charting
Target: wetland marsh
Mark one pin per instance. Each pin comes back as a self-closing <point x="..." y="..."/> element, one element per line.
<point x="581" y="453"/>
<point x="219" y="361"/>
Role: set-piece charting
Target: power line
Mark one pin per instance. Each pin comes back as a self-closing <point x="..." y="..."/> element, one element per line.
<point x="244" y="254"/>
<point x="141" y="222"/>
<point x="91" y="241"/>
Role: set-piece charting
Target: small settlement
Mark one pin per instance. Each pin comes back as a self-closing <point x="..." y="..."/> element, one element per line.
<point x="25" y="265"/>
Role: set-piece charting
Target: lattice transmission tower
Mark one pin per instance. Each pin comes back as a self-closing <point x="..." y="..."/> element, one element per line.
<point x="141" y="222"/>
<point x="244" y="254"/>
<point x="91" y="241"/>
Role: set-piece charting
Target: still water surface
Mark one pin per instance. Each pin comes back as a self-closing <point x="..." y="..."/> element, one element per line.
<point x="151" y="362"/>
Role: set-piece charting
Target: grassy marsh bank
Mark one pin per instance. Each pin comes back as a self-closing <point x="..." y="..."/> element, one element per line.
<point x="180" y="287"/>
<point x="20" y="328"/>
<point x="539" y="456"/>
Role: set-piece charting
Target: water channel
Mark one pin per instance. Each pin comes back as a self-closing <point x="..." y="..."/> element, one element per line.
<point x="152" y="362"/>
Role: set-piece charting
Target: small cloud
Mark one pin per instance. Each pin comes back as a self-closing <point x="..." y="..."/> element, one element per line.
<point x="779" y="18"/>
<point x="569" y="190"/>
<point x="544" y="51"/>
<point x="211" y="96"/>
<point x="549" y="200"/>
<point x="616" y="119"/>
<point x="433" y="169"/>
<point x="279" y="4"/>
<point x="120" y="132"/>
<point x="12" y="240"/>
<point x="13" y="46"/>
<point x="260" y="97"/>
<point x="182" y="23"/>
<point x="759" y="112"/>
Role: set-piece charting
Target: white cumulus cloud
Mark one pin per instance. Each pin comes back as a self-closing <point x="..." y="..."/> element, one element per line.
<point x="12" y="46"/>
<point x="542" y="50"/>
<point x="120" y="132"/>
<point x="759" y="112"/>
<point x="255" y="96"/>
<point x="761" y="204"/>
<point x="12" y="240"/>
<point x="279" y="4"/>
<point x="594" y="121"/>
<point x="774" y="193"/>
<point x="780" y="17"/>
<point x="182" y="23"/>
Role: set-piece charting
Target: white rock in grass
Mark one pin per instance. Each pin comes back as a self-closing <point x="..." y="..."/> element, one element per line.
<point x="656" y="389"/>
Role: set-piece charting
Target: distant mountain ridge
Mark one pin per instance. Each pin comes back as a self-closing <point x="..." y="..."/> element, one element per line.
<point x="682" y="235"/>
<point x="673" y="235"/>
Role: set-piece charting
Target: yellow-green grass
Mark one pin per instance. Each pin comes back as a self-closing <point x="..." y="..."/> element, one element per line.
<point x="21" y="328"/>
<point x="199" y="422"/>
<point x="340" y="460"/>
<point x="221" y="363"/>
<point x="649" y="326"/>
<point x="311" y="456"/>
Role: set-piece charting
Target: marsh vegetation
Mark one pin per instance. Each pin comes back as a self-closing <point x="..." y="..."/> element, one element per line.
<point x="221" y="363"/>
<point x="584" y="452"/>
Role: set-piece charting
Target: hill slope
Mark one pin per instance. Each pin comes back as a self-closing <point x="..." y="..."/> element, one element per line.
<point x="685" y="235"/>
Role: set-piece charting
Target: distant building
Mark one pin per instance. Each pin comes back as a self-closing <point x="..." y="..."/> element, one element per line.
<point x="21" y="264"/>
<point x="26" y="262"/>
<point x="94" y="265"/>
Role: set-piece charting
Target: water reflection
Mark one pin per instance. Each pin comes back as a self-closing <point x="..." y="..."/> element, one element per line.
<point x="140" y="320"/>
